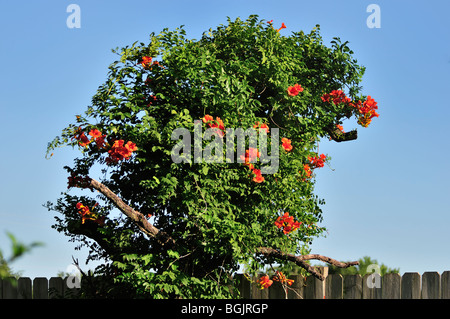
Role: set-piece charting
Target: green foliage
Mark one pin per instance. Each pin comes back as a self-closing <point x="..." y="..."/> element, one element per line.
<point x="239" y="72"/>
<point x="18" y="249"/>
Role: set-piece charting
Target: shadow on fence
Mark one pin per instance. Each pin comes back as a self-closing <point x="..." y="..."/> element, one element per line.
<point x="430" y="285"/>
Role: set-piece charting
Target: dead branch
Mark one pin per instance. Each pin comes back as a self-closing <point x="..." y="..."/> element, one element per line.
<point x="300" y="260"/>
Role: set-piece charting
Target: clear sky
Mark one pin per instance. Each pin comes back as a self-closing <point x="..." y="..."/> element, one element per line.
<point x="387" y="193"/>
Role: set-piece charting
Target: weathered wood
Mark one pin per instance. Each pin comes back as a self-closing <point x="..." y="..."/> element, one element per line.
<point x="296" y="290"/>
<point x="24" y="290"/>
<point x="371" y="286"/>
<point x="445" y="285"/>
<point x="352" y="287"/>
<point x="410" y="286"/>
<point x="276" y="291"/>
<point x="390" y="286"/>
<point x="334" y="287"/>
<point x="431" y="285"/>
<point x="40" y="288"/>
<point x="10" y="290"/>
<point x="56" y="288"/>
<point x="313" y="288"/>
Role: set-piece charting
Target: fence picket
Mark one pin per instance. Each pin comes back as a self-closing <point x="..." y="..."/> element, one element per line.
<point x="24" y="288"/>
<point x="313" y="288"/>
<point x="40" y="288"/>
<point x="56" y="288"/>
<point x="296" y="290"/>
<point x="390" y="286"/>
<point x="431" y="285"/>
<point x="10" y="288"/>
<point x="371" y="286"/>
<point x="445" y="285"/>
<point x="352" y="287"/>
<point x="410" y="286"/>
<point x="334" y="286"/>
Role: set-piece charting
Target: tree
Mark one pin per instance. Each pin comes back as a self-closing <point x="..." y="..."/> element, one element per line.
<point x="176" y="214"/>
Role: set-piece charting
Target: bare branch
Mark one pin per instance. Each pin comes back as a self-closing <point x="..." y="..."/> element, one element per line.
<point x="301" y="260"/>
<point x="144" y="225"/>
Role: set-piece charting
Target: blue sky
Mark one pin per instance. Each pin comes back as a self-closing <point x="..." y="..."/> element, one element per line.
<point x="387" y="194"/>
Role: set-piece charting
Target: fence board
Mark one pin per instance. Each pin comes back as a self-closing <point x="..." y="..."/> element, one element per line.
<point x="10" y="288"/>
<point x="445" y="285"/>
<point x="352" y="287"/>
<point x="313" y="288"/>
<point x="24" y="288"/>
<point x="40" y="288"/>
<point x="431" y="285"/>
<point x="371" y="286"/>
<point x="334" y="286"/>
<point x="276" y="291"/>
<point x="410" y="286"/>
<point x="56" y="288"/>
<point x="296" y="290"/>
<point x="390" y="286"/>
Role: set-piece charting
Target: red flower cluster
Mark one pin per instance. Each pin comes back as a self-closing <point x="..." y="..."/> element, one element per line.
<point x="366" y="109"/>
<point x="317" y="161"/>
<point x="250" y="156"/>
<point x="119" y="151"/>
<point x="337" y="97"/>
<point x="146" y="61"/>
<point x="265" y="282"/>
<point x="86" y="214"/>
<point x="287" y="223"/>
<point x="95" y="134"/>
<point x="307" y="170"/>
<point x="258" y="176"/>
<point x="216" y="124"/>
<point x="294" y="90"/>
<point x="280" y="277"/>
<point x="286" y="143"/>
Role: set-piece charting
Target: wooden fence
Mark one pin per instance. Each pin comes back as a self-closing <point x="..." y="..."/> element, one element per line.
<point x="38" y="288"/>
<point x="430" y="285"/>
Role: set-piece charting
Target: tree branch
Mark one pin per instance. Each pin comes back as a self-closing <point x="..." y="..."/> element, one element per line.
<point x="338" y="136"/>
<point x="144" y="225"/>
<point x="165" y="240"/>
<point x="300" y="260"/>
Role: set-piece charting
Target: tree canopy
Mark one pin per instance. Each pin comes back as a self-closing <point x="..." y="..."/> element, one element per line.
<point x="208" y="150"/>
